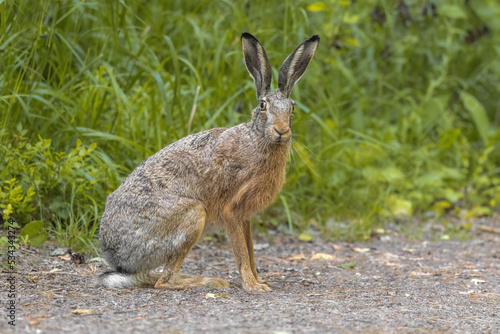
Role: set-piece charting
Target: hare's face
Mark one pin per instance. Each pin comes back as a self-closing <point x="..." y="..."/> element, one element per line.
<point x="273" y="118"/>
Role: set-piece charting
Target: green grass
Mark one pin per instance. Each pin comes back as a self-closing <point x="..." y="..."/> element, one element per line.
<point x="393" y="119"/>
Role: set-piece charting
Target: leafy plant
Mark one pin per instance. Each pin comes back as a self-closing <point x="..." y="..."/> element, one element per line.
<point x="33" y="233"/>
<point x="397" y="116"/>
<point x="43" y="186"/>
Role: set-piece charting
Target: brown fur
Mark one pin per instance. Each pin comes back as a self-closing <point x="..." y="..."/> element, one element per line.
<point x="219" y="176"/>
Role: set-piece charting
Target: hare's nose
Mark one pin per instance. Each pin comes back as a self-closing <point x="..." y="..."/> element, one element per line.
<point x="282" y="132"/>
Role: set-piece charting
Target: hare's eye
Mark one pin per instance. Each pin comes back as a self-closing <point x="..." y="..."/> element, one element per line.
<point x="263" y="105"/>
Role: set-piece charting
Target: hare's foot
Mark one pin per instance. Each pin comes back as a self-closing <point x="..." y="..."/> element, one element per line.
<point x="192" y="282"/>
<point x="256" y="287"/>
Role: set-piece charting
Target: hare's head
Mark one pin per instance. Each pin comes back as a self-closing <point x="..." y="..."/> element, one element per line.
<point x="273" y="115"/>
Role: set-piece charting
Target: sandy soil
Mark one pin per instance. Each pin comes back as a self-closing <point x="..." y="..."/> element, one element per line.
<point x="389" y="284"/>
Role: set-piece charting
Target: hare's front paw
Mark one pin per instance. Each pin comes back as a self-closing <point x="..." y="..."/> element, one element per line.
<point x="256" y="287"/>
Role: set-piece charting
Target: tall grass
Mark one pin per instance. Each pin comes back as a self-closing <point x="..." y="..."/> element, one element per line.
<point x="397" y="115"/>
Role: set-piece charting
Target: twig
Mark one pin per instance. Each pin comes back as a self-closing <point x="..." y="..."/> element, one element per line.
<point x="489" y="229"/>
<point x="50" y="273"/>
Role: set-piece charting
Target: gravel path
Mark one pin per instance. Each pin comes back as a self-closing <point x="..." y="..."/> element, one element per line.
<point x="385" y="285"/>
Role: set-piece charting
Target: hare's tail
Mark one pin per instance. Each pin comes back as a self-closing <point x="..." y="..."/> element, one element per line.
<point x="117" y="280"/>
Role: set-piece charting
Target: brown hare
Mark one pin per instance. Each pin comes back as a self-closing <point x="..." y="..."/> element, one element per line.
<point x="218" y="176"/>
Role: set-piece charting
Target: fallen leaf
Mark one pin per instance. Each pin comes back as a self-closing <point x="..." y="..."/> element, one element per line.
<point x="394" y="256"/>
<point x="348" y="265"/>
<point x="297" y="257"/>
<point x="66" y="257"/>
<point x="34" y="322"/>
<point x="393" y="264"/>
<point x="337" y="247"/>
<point x="83" y="311"/>
<point x="361" y="250"/>
<point x="305" y="237"/>
<point x="212" y="295"/>
<point x="409" y="250"/>
<point x="322" y="256"/>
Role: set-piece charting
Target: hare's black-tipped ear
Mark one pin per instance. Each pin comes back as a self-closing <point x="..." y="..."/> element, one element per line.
<point x="296" y="64"/>
<point x="257" y="64"/>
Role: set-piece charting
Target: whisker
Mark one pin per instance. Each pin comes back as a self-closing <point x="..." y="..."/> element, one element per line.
<point x="307" y="164"/>
<point x="309" y="153"/>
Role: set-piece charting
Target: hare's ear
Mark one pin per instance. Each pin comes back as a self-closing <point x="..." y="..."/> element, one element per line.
<point x="257" y="64"/>
<point x="296" y="64"/>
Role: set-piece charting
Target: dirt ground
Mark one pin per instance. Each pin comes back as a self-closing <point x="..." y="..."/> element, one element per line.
<point x="389" y="284"/>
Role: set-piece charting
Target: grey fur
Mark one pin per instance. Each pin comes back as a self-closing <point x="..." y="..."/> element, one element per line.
<point x="216" y="177"/>
<point x="257" y="64"/>
<point x="296" y="64"/>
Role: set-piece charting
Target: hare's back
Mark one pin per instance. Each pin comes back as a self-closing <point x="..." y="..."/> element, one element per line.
<point x="176" y="161"/>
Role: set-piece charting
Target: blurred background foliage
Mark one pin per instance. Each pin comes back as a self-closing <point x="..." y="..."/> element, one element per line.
<point x="397" y="115"/>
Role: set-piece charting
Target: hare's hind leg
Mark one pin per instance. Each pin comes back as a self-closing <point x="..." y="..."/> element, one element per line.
<point x="189" y="216"/>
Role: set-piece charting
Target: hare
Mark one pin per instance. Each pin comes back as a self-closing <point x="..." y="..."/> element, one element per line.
<point x="215" y="177"/>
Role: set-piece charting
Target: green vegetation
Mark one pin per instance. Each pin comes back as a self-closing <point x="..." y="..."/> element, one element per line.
<point x="397" y="115"/>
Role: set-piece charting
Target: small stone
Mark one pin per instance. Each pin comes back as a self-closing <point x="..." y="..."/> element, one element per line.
<point x="59" y="252"/>
<point x="385" y="238"/>
<point x="259" y="247"/>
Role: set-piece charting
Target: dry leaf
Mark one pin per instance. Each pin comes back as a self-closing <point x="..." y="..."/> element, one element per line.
<point x="66" y="257"/>
<point x="34" y="322"/>
<point x="390" y="255"/>
<point x="393" y="264"/>
<point x="297" y="257"/>
<point x="211" y="295"/>
<point x="322" y="256"/>
<point x="337" y="247"/>
<point x="83" y="311"/>
<point x="361" y="250"/>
